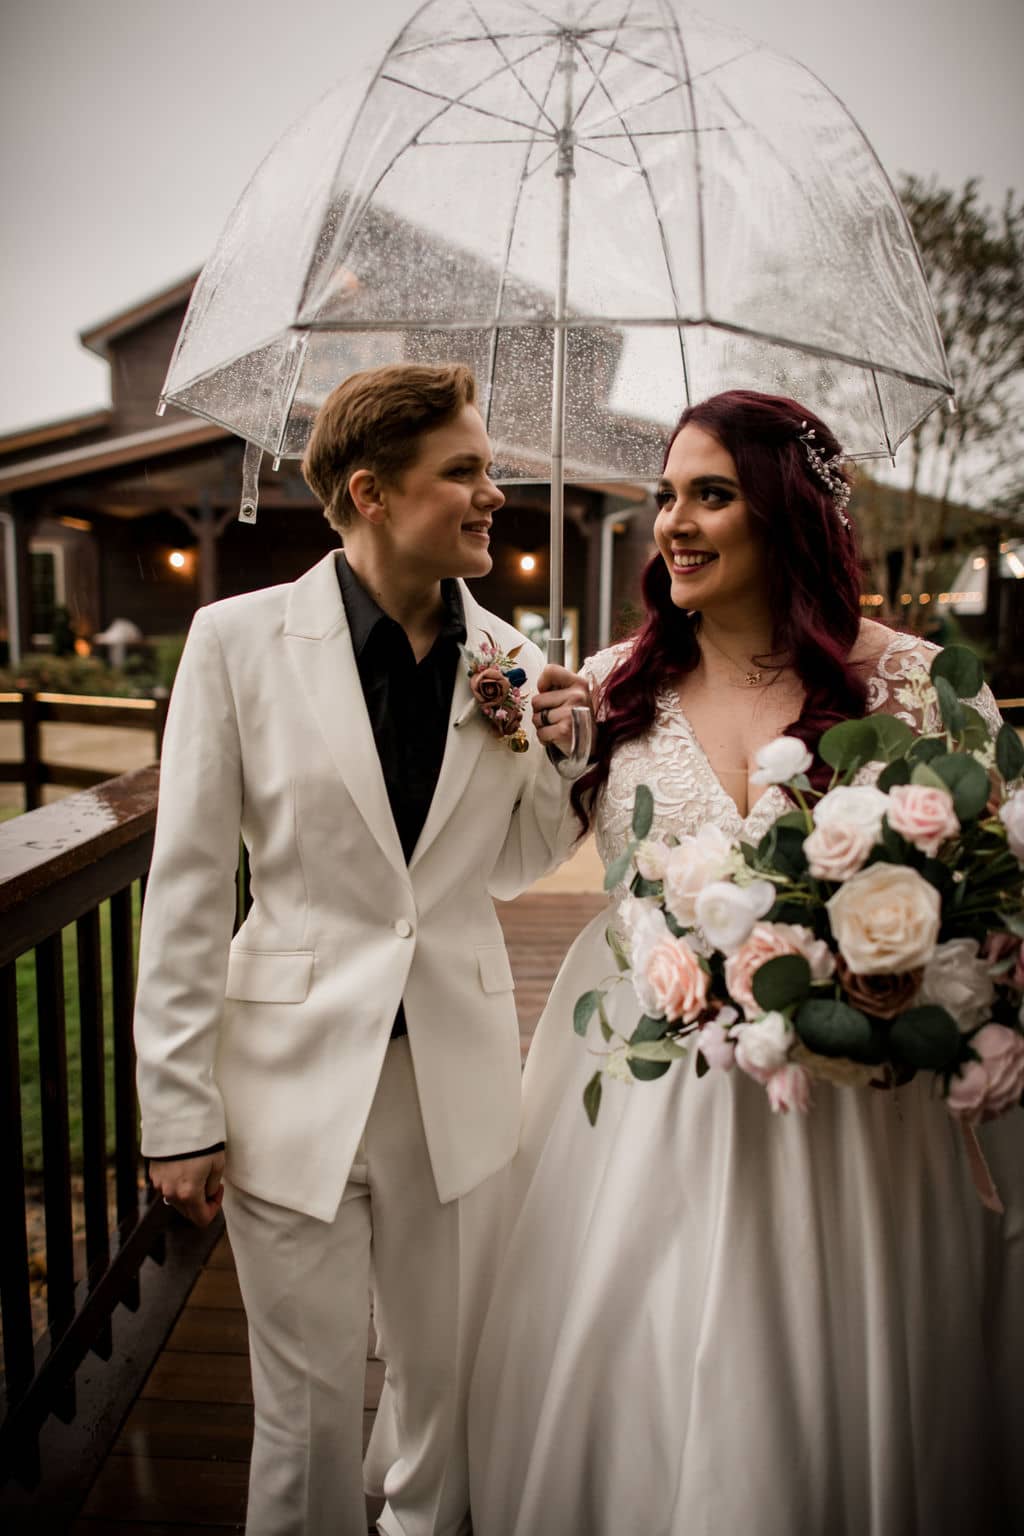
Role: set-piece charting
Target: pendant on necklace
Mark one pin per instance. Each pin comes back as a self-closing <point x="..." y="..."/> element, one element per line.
<point x="752" y="679"/>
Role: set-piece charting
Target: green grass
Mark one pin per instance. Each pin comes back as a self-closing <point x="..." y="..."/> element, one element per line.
<point x="28" y="1043"/>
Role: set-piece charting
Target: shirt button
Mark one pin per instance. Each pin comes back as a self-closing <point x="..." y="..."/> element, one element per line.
<point x="403" y="928"/>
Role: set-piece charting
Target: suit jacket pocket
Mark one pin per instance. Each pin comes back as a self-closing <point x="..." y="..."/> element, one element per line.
<point x="495" y="971"/>
<point x="269" y="976"/>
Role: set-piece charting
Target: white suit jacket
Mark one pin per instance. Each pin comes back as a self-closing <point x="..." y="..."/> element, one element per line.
<point x="273" y="1041"/>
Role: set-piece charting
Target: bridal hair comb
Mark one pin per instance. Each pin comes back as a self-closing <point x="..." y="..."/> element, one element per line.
<point x="829" y="472"/>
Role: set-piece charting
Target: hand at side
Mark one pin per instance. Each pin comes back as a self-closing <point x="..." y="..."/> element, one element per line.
<point x="193" y="1185"/>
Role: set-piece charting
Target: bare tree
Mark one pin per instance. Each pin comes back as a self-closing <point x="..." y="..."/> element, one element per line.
<point x="973" y="257"/>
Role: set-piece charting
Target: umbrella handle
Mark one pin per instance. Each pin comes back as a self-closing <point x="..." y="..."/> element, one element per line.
<point x="571" y="764"/>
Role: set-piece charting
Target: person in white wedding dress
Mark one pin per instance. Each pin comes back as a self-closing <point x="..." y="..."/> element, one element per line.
<point x="706" y="1319"/>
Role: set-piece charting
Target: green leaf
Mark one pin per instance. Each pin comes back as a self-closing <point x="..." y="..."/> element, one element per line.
<point x="702" y="1065"/>
<point x="618" y="868"/>
<point x="643" y="812"/>
<point x="592" y="1098"/>
<point x="606" y="1030"/>
<point x="781" y="982"/>
<point x="832" y="1028"/>
<point x="925" y="1037"/>
<point x="795" y="819"/>
<point x="657" y="1050"/>
<point x="649" y="1029"/>
<point x="1009" y="753"/>
<point x="966" y="781"/>
<point x="898" y="772"/>
<point x="642" y="887"/>
<point x="615" y="944"/>
<point x="783" y="849"/>
<point x="960" y="667"/>
<point x="925" y="748"/>
<point x="949" y="706"/>
<point x="975" y="732"/>
<point x="849" y="745"/>
<point x="647" y="1071"/>
<point x="893" y="737"/>
<point x="925" y="774"/>
<point x="585" y="1008"/>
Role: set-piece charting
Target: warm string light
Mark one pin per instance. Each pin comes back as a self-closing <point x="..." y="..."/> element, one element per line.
<point x="527" y="563"/>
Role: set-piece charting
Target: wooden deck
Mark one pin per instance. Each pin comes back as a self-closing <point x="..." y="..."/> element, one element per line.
<point x="180" y="1464"/>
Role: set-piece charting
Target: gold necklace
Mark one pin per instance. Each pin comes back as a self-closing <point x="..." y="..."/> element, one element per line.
<point x="752" y="677"/>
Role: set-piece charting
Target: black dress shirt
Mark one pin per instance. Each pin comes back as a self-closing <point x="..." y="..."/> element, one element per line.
<point x="408" y="703"/>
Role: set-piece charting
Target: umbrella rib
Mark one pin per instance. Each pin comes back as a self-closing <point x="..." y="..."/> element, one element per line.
<point x="642" y="170"/>
<point x="635" y="106"/>
<point x="698" y="168"/>
<point x="503" y="278"/>
<point x="609" y="48"/>
<point x="510" y="66"/>
<point x="458" y="101"/>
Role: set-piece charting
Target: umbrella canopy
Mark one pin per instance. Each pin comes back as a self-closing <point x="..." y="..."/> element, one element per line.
<point x="628" y="201"/>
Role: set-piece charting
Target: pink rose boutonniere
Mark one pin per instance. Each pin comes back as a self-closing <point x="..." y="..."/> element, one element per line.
<point x="497" y="685"/>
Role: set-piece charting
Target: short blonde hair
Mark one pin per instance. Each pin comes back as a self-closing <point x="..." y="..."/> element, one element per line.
<point x="373" y="420"/>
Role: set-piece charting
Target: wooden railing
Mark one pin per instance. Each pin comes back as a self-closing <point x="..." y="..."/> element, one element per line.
<point x="58" y="867"/>
<point x="33" y="710"/>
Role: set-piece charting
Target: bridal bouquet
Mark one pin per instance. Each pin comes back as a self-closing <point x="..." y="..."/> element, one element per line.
<point x="873" y="933"/>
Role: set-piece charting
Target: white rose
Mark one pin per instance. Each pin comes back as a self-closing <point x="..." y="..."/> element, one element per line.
<point x="764" y="1047"/>
<point x="726" y="913"/>
<point x="957" y="979"/>
<point x="885" y="919"/>
<point x="853" y="805"/>
<point x="692" y="865"/>
<point x="645" y="926"/>
<point x="1011" y="814"/>
<point x="650" y="858"/>
<point x="835" y="850"/>
<point x="781" y="760"/>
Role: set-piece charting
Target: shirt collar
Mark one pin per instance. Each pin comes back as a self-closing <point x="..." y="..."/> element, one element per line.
<point x="364" y="614"/>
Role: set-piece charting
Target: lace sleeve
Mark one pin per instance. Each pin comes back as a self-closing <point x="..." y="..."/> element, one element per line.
<point x="597" y="669"/>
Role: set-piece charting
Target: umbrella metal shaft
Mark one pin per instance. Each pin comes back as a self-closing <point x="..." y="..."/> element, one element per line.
<point x="564" y="172"/>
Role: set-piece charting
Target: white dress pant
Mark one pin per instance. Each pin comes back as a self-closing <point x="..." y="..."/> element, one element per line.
<point x="305" y="1285"/>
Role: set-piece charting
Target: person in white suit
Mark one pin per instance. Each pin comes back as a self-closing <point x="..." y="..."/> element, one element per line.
<point x="347" y="1066"/>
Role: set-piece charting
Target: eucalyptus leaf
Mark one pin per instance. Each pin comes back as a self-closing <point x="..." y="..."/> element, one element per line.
<point x="643" y="812"/>
<point x="649" y="1029"/>
<point x="925" y="1037"/>
<point x="1009" y="753"/>
<point x="647" y="1071"/>
<point x="849" y="745"/>
<point x="586" y="1007"/>
<point x="619" y="868"/>
<point x="966" y="781"/>
<point x="925" y="774"/>
<point x="833" y="1028"/>
<point x="781" y="982"/>
<point x="794" y="819"/>
<point x="893" y="737"/>
<point x="642" y="887"/>
<point x="975" y="733"/>
<point x="656" y="1050"/>
<point x="949" y="706"/>
<point x="960" y="667"/>
<point x="607" y="1033"/>
<point x="925" y="748"/>
<point x="592" y="1098"/>
<point x="898" y="772"/>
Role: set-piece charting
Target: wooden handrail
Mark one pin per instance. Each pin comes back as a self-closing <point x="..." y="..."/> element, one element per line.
<point x="32" y="710"/>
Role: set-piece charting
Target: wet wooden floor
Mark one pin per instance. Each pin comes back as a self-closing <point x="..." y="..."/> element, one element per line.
<point x="181" y="1462"/>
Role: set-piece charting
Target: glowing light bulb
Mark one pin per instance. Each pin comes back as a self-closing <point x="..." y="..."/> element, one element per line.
<point x="176" y="559"/>
<point x="527" y="563"/>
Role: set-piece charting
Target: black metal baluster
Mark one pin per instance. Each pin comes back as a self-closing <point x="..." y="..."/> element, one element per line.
<point x="53" y="1080"/>
<point x="126" y="1156"/>
<point x="15" y="1297"/>
<point x="94" y="1117"/>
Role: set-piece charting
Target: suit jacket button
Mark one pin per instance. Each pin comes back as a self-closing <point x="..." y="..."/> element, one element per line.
<point x="403" y="928"/>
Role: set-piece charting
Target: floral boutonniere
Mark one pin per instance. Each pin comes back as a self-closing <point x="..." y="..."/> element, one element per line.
<point x="497" y="684"/>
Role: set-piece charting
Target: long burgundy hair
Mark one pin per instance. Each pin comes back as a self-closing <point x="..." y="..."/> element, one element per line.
<point x="813" y="584"/>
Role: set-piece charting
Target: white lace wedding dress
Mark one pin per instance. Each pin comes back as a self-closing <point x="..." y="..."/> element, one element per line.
<point x="711" y="1321"/>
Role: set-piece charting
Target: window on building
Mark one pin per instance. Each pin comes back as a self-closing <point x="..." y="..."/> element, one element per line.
<point x="46" y="575"/>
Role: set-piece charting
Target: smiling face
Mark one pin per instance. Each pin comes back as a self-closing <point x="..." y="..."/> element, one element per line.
<point x="436" y="517"/>
<point x="704" y="529"/>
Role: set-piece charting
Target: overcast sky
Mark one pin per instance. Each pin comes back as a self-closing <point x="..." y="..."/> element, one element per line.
<point x="129" y="127"/>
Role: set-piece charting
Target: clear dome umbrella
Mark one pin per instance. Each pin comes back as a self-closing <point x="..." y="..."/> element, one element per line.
<point x="608" y="208"/>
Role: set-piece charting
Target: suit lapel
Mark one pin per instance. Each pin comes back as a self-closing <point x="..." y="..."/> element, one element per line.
<point x="467" y="732"/>
<point x="320" y="648"/>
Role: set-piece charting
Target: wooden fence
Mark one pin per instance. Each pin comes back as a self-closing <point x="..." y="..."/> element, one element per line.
<point x="57" y="867"/>
<point x="32" y="710"/>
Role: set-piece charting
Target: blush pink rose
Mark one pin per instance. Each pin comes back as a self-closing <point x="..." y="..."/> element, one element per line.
<point x="678" y="986"/>
<point x="766" y="941"/>
<point x="489" y="685"/>
<point x="835" y="850"/>
<point x="789" y="1088"/>
<point x="989" y="1087"/>
<point x="923" y="815"/>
